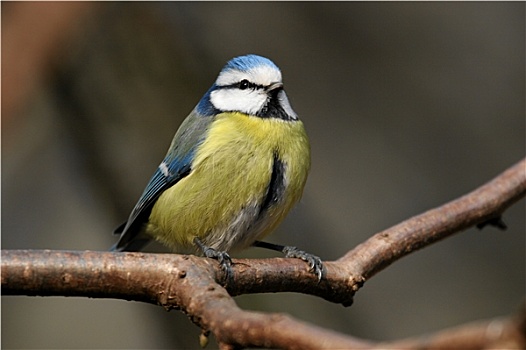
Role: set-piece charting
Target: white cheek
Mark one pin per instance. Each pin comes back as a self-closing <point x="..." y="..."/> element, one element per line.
<point x="247" y="101"/>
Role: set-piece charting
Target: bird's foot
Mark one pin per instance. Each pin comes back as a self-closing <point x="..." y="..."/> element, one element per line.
<point x="315" y="263"/>
<point x="224" y="260"/>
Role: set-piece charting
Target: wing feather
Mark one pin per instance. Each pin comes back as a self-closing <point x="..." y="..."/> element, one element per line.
<point x="176" y="165"/>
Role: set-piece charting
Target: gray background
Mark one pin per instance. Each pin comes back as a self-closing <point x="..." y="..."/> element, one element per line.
<point x="407" y="105"/>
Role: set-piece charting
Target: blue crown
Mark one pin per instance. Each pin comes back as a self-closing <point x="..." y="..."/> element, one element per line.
<point x="245" y="63"/>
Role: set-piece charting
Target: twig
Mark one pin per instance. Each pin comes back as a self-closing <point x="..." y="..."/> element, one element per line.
<point x="498" y="333"/>
<point x="485" y="203"/>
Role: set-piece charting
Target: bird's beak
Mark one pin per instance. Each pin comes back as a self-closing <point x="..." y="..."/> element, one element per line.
<point x="274" y="86"/>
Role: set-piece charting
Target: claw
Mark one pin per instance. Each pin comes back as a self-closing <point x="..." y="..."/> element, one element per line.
<point x="224" y="260"/>
<point x="315" y="263"/>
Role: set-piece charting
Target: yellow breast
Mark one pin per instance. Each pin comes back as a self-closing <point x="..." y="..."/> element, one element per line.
<point x="220" y="198"/>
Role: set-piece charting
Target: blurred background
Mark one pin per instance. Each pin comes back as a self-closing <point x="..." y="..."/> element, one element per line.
<point x="407" y="105"/>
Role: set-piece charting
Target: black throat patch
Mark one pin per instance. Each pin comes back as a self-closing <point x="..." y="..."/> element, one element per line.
<point x="273" y="108"/>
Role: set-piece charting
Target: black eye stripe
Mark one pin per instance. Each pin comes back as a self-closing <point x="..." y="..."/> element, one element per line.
<point x="243" y="85"/>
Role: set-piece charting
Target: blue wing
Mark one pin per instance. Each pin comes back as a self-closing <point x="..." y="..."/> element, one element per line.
<point x="176" y="165"/>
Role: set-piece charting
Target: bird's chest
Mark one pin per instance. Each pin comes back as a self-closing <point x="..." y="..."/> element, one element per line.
<point x="244" y="179"/>
<point x="243" y="161"/>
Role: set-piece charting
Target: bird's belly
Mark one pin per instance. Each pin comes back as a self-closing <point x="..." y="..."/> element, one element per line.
<point x="219" y="202"/>
<point x="223" y="201"/>
<point x="248" y="225"/>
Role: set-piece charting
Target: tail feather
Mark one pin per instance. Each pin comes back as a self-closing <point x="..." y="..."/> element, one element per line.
<point x="129" y="241"/>
<point x="120" y="229"/>
<point x="134" y="245"/>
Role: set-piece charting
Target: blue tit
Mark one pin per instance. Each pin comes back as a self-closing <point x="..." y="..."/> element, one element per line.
<point x="234" y="169"/>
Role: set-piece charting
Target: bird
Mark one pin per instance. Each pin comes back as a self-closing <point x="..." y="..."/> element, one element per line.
<point x="235" y="168"/>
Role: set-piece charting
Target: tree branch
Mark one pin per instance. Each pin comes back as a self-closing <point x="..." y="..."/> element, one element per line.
<point x="498" y="333"/>
<point x="197" y="287"/>
<point x="173" y="281"/>
<point x="188" y="283"/>
<point x="482" y="205"/>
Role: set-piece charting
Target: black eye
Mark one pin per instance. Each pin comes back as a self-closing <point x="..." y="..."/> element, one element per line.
<point x="244" y="84"/>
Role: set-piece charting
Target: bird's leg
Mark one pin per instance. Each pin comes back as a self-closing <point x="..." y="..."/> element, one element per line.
<point x="222" y="258"/>
<point x="315" y="263"/>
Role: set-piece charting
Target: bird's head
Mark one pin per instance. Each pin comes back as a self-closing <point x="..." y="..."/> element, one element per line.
<point x="249" y="84"/>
